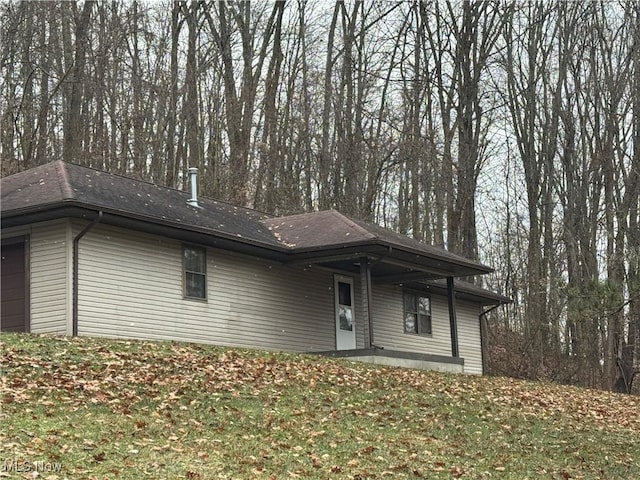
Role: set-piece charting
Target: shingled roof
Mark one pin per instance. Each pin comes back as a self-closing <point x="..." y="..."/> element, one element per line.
<point x="59" y="189"/>
<point x="317" y="231"/>
<point x="59" y="184"/>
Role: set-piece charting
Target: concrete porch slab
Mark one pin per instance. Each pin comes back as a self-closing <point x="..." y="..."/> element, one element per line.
<point x="394" y="358"/>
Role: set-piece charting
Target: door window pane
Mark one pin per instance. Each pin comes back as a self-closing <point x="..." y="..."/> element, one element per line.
<point x="346" y="318"/>
<point x="344" y="294"/>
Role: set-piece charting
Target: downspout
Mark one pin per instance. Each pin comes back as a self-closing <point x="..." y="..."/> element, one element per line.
<point x="76" y="255"/>
<point x="453" y="319"/>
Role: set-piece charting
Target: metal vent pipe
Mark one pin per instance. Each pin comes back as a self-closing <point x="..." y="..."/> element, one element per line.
<point x="193" y="180"/>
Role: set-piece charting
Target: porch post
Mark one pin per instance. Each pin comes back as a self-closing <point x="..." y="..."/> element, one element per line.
<point x="365" y="294"/>
<point x="453" y="320"/>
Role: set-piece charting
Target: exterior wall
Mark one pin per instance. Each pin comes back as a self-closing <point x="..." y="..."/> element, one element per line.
<point x="359" y="311"/>
<point x="469" y="342"/>
<point x="131" y="286"/>
<point x="389" y="328"/>
<point x="50" y="275"/>
<point x="51" y="247"/>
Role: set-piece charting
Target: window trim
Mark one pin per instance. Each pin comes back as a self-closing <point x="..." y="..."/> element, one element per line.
<point x="185" y="271"/>
<point x="416" y="294"/>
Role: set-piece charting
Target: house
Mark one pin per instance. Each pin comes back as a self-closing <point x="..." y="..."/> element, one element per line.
<point x="86" y="252"/>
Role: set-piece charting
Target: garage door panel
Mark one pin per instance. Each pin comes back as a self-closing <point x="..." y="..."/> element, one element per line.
<point x="11" y="279"/>
<point x="13" y="323"/>
<point x="14" y="288"/>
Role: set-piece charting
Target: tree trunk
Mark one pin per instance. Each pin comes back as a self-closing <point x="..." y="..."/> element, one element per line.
<point x="73" y="123"/>
<point x="192" y="104"/>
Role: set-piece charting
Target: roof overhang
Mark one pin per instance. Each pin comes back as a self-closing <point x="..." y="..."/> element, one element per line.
<point x="388" y="263"/>
<point x="205" y="237"/>
<point x="464" y="291"/>
<point x="59" y="190"/>
<point x="406" y="269"/>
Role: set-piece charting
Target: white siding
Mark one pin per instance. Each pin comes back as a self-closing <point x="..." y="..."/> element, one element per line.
<point x="131" y="286"/>
<point x="50" y="276"/>
<point x="359" y="312"/>
<point x="389" y="328"/>
<point x="469" y="336"/>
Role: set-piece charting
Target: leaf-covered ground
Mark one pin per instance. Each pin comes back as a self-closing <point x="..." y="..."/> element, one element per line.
<point x="95" y="409"/>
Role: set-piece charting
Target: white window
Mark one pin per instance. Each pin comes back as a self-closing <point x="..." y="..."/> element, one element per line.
<point x="194" y="266"/>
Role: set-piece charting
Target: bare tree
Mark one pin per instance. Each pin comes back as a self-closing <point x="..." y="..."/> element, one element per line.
<point x="535" y="120"/>
<point x="73" y="121"/>
<point x="240" y="105"/>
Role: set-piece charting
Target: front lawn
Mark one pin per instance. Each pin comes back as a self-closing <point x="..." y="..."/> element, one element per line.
<point x="100" y="409"/>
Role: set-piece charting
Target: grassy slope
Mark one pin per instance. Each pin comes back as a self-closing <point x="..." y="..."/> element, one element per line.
<point x="124" y="409"/>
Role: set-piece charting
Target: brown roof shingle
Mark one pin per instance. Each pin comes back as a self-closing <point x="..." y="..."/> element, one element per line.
<point x="317" y="229"/>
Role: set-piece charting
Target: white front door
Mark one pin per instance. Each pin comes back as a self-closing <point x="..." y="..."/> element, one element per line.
<point x="345" y="314"/>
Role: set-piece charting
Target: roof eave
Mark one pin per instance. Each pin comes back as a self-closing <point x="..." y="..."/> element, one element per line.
<point x="79" y="210"/>
<point x="386" y="250"/>
<point x="474" y="268"/>
<point x="480" y="296"/>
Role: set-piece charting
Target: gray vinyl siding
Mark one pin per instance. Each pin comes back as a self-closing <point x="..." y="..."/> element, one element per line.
<point x="131" y="286"/>
<point x="50" y="277"/>
<point x="359" y="311"/>
<point x="469" y="342"/>
<point x="389" y="327"/>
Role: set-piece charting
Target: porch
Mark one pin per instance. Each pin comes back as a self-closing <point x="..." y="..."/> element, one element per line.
<point x="394" y="358"/>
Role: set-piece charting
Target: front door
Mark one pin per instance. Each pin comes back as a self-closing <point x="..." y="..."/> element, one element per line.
<point x="345" y="314"/>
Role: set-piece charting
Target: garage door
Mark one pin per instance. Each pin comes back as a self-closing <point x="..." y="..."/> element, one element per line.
<point x="14" y="315"/>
